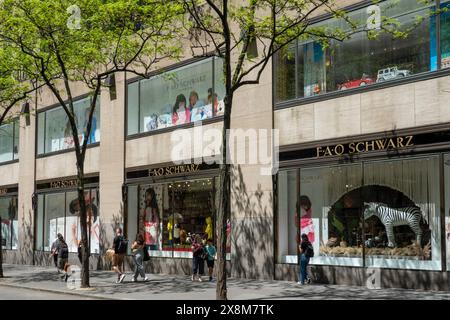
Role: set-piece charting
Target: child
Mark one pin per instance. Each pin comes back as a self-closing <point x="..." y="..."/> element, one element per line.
<point x="211" y="250"/>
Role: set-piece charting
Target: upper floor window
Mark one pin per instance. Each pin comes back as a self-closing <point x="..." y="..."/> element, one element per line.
<point x="187" y="94"/>
<point x="54" y="130"/>
<point x="306" y="69"/>
<point x="9" y="141"/>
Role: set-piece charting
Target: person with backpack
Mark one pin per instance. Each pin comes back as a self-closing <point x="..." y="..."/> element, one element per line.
<point x="62" y="250"/>
<point x="120" y="249"/>
<point x="138" y="248"/>
<point x="55" y="252"/>
<point x="306" y="252"/>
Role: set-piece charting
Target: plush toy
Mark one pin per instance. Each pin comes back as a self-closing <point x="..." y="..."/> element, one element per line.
<point x="209" y="228"/>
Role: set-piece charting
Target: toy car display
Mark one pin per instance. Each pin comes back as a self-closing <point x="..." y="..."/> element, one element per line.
<point x="356" y="83"/>
<point x="392" y="73"/>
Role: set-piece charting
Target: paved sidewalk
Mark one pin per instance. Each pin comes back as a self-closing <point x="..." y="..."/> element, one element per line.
<point x="175" y="287"/>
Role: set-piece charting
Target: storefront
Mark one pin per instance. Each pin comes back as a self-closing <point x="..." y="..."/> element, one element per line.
<point x="8" y="217"/>
<point x="368" y="202"/>
<point x="57" y="211"/>
<point x="171" y="204"/>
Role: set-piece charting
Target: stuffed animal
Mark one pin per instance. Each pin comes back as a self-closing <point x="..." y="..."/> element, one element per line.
<point x="209" y="228"/>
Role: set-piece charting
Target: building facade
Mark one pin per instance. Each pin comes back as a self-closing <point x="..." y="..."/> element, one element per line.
<point x="364" y="155"/>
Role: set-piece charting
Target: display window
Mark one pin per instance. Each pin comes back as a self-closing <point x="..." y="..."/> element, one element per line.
<point x="171" y="214"/>
<point x="187" y="94"/>
<point x="9" y="141"/>
<point x="9" y="222"/>
<point x="383" y="214"/>
<point x="54" y="130"/>
<point x="308" y="69"/>
<point x="59" y="213"/>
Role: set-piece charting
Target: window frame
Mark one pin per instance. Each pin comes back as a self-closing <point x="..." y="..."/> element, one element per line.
<point x="158" y="72"/>
<point x="14" y="122"/>
<point x="431" y="74"/>
<point x="54" y="107"/>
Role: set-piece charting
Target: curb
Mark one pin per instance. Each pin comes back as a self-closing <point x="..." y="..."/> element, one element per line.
<point x="58" y="291"/>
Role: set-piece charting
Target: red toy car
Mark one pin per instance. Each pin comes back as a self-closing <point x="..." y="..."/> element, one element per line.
<point x="365" y="80"/>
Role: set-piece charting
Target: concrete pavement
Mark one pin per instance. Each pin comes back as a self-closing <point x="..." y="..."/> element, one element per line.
<point x="175" y="287"/>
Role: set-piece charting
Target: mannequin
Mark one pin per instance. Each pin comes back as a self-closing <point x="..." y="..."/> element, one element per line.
<point x="169" y="229"/>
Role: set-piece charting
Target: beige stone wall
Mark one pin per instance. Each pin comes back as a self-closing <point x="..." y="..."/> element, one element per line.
<point x="9" y="174"/>
<point x="64" y="164"/>
<point x="26" y="190"/>
<point x="111" y="160"/>
<point x="399" y="107"/>
<point x="252" y="236"/>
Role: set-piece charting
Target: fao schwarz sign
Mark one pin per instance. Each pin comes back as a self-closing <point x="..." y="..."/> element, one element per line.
<point x="171" y="170"/>
<point x="63" y="184"/>
<point x="384" y="144"/>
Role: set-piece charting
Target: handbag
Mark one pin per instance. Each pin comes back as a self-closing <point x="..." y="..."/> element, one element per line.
<point x="146" y="255"/>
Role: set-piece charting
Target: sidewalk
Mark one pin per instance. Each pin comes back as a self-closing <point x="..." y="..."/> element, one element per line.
<point x="175" y="287"/>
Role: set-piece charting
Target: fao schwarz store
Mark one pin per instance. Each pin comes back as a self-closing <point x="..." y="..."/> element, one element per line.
<point x="365" y="160"/>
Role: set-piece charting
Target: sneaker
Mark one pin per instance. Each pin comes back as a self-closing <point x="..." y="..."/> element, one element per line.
<point x="133" y="279"/>
<point x="200" y="279"/>
<point x="146" y="279"/>
<point x="192" y="278"/>
<point x="300" y="283"/>
<point x="122" y="276"/>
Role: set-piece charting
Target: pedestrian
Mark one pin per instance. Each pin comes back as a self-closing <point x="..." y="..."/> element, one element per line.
<point x="138" y="248"/>
<point x="211" y="251"/>
<point x="120" y="248"/>
<point x="306" y="252"/>
<point x="55" y="252"/>
<point x="198" y="263"/>
<point x="62" y="250"/>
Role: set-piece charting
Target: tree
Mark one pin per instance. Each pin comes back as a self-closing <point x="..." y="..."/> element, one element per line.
<point x="246" y="35"/>
<point x="13" y="89"/>
<point x="86" y="43"/>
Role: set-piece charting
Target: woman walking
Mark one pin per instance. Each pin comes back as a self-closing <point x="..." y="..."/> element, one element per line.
<point x="198" y="263"/>
<point x="138" y="257"/>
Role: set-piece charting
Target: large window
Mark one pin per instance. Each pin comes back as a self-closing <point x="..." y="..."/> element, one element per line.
<point x="55" y="133"/>
<point x="9" y="222"/>
<point x="390" y="210"/>
<point x="306" y="69"/>
<point x="170" y="214"/>
<point x="9" y="141"/>
<point x="187" y="94"/>
<point x="59" y="213"/>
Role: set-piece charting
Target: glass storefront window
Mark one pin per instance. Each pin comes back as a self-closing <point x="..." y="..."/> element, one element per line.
<point x="9" y="141"/>
<point x="447" y="207"/>
<point x="59" y="213"/>
<point x="9" y="222"/>
<point x="382" y="214"/>
<point x="184" y="95"/>
<point x="170" y="214"/>
<point x="360" y="61"/>
<point x="55" y="133"/>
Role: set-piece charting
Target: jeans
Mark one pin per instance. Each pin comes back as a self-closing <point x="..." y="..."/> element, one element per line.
<point x="198" y="264"/>
<point x="138" y="265"/>
<point x="303" y="273"/>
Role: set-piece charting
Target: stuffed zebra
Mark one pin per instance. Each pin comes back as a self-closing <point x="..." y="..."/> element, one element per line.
<point x="392" y="217"/>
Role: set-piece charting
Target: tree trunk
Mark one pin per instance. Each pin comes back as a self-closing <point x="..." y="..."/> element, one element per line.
<point x="1" y="249"/>
<point x="83" y="223"/>
<point x="224" y="208"/>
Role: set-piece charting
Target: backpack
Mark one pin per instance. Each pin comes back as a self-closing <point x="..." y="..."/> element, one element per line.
<point x="63" y="250"/>
<point x="122" y="246"/>
<point x="309" y="250"/>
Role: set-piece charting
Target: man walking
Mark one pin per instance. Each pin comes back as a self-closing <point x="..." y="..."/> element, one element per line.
<point x="120" y="248"/>
<point x="54" y="251"/>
